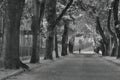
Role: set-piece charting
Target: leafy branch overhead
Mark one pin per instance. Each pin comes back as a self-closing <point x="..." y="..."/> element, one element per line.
<point x="62" y="13"/>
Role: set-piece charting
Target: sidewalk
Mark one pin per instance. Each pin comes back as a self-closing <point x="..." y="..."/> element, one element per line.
<point x="108" y="58"/>
<point x="6" y="73"/>
<point x="113" y="60"/>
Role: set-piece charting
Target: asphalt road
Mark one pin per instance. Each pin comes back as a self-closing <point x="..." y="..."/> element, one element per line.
<point x="77" y="67"/>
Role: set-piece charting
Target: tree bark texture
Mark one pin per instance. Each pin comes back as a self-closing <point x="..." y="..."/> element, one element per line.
<point x="10" y="53"/>
<point x="101" y="32"/>
<point x="62" y="13"/>
<point x="107" y="48"/>
<point x="116" y="23"/>
<point x="103" y="48"/>
<point x="56" y="46"/>
<point x="65" y="39"/>
<point x="35" y="31"/>
<point x="114" y="37"/>
<point x="110" y="31"/>
<point x="115" y="46"/>
<point x="42" y="10"/>
<point x="51" y="17"/>
<point x="71" y="44"/>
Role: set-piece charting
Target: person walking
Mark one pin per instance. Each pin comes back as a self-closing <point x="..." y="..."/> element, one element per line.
<point x="79" y="50"/>
<point x="80" y="45"/>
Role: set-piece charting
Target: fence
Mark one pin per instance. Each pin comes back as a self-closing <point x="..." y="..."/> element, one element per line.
<point x="25" y="46"/>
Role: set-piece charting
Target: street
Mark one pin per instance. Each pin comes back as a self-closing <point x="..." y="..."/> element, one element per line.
<point x="75" y="67"/>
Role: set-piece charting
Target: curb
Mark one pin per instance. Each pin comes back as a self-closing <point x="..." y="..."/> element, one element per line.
<point x="17" y="73"/>
<point x="22" y="70"/>
<point x="32" y="68"/>
<point x="12" y="74"/>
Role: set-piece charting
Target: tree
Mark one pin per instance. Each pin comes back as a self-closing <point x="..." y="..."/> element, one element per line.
<point x="113" y="37"/>
<point x="116" y="23"/>
<point x="39" y="9"/>
<point x="52" y="24"/>
<point x="65" y="38"/>
<point x="38" y="13"/>
<point x="10" y="53"/>
<point x="99" y="11"/>
<point x="35" y="30"/>
<point x="56" y="45"/>
<point x="103" y="42"/>
<point x="71" y="44"/>
<point x="50" y="16"/>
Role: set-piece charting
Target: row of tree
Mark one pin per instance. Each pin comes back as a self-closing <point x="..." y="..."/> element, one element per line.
<point x="13" y="13"/>
<point x="105" y="14"/>
<point x="110" y="43"/>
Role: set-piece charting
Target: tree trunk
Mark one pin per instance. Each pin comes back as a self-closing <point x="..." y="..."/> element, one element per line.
<point x="35" y="30"/>
<point x="49" y="47"/>
<point x="10" y="53"/>
<point x="51" y="17"/>
<point x="110" y="31"/>
<point x="65" y="39"/>
<point x="118" y="56"/>
<point x="115" y="47"/>
<point x="116" y="22"/>
<point x="56" y="46"/>
<point x="114" y="37"/>
<point x="42" y="10"/>
<point x="35" y="53"/>
<point x="101" y="32"/>
<point x="103" y="48"/>
<point x="71" y="45"/>
<point x="108" y="48"/>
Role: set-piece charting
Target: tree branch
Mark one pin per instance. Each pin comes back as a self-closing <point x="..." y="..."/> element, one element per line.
<point x="100" y="29"/>
<point x="72" y="18"/>
<point x="61" y="15"/>
<point x="108" y="25"/>
<point x="86" y="7"/>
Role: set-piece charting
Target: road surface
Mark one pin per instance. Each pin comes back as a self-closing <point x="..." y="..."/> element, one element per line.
<point x="77" y="67"/>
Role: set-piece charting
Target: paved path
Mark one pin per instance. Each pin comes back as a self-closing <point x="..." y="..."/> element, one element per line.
<point x="77" y="67"/>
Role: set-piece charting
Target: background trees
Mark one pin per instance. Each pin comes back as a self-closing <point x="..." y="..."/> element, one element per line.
<point x="107" y="24"/>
